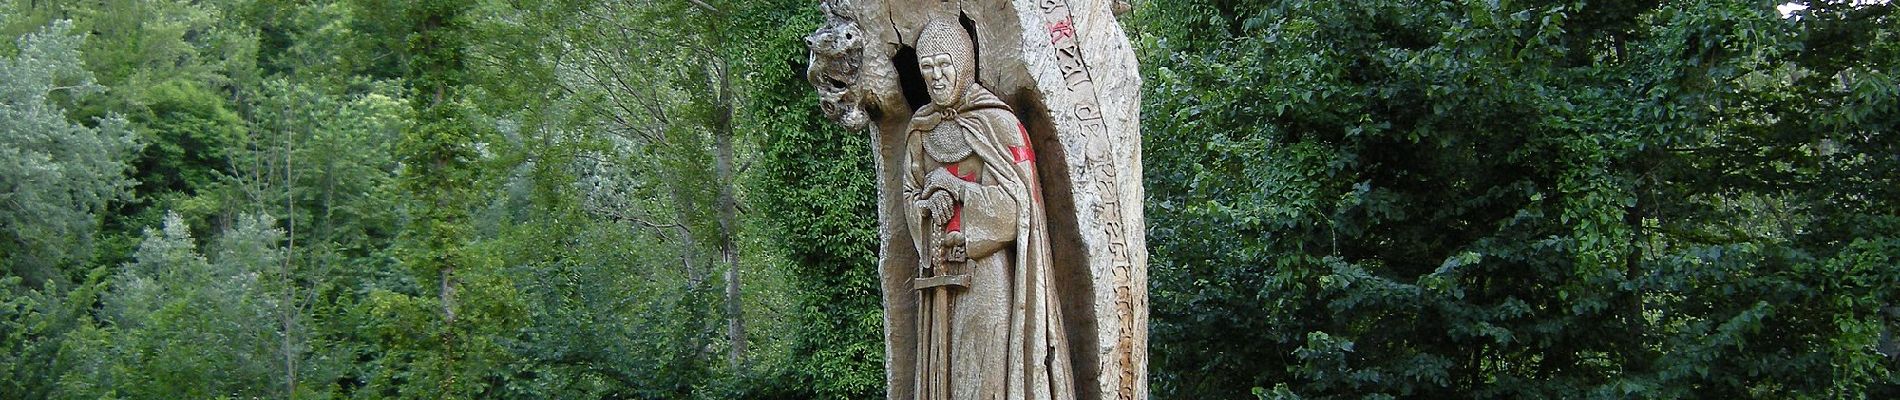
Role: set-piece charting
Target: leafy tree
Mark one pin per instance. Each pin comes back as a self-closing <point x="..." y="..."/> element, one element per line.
<point x="177" y="324"/>
<point x="291" y="109"/>
<point x="36" y="327"/>
<point x="1516" y="199"/>
<point x="641" y="116"/>
<point x="666" y="86"/>
<point x="439" y="355"/>
<point x="191" y="133"/>
<point x="815" y="190"/>
<point x="56" y="176"/>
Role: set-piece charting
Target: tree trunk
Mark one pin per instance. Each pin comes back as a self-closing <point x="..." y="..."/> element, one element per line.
<point x="448" y="294"/>
<point x="729" y="219"/>
<point x="286" y="308"/>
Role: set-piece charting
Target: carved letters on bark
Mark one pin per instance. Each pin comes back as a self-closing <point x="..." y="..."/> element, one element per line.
<point x="1060" y="22"/>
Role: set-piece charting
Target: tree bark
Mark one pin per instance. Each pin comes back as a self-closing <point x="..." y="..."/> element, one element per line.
<point x="728" y="202"/>
<point x="286" y="307"/>
<point x="729" y="217"/>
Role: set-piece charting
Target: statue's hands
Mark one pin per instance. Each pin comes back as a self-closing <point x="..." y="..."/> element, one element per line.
<point x="952" y="247"/>
<point x="941" y="179"/>
<point x="953" y="239"/>
<point x="940" y="207"/>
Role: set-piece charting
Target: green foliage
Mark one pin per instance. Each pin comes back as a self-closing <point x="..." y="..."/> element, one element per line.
<point x="817" y="190"/>
<point x="1376" y="199"/>
<point x="37" y="328"/>
<point x="144" y="42"/>
<point x="189" y="133"/>
<point x="1516" y="199"/>
<point x="176" y="324"/>
<point x="56" y="176"/>
<point x="437" y="151"/>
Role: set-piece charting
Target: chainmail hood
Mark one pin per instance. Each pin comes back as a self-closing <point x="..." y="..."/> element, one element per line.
<point x="944" y="35"/>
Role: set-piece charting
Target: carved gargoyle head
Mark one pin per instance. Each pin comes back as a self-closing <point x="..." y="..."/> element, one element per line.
<point x="836" y="50"/>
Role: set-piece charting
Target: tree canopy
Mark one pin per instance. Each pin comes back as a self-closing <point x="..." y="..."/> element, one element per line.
<point x="1522" y="199"/>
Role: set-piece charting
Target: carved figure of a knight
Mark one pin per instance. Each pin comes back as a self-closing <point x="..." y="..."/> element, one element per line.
<point x="989" y="323"/>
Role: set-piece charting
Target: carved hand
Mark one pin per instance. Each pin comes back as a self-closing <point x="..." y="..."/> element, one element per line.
<point x="952" y="240"/>
<point x="952" y="247"/>
<point x="941" y="179"/>
<point x="940" y="206"/>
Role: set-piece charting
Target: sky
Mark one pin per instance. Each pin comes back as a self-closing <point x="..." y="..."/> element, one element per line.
<point x="1789" y="8"/>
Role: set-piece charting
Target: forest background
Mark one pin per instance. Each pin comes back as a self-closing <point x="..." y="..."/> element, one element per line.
<point x="638" y="199"/>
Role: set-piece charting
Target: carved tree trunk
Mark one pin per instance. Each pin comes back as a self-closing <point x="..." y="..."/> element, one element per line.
<point x="1067" y="70"/>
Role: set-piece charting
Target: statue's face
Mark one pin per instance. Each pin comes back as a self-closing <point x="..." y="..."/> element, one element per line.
<point x="940" y="73"/>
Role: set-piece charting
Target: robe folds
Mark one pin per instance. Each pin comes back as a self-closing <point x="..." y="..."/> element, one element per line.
<point x="1007" y="340"/>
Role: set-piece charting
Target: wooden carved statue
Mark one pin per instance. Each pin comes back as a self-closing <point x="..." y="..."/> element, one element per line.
<point x="1007" y="146"/>
<point x="989" y="327"/>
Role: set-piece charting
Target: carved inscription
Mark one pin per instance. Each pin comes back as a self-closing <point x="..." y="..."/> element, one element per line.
<point x="1060" y="21"/>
